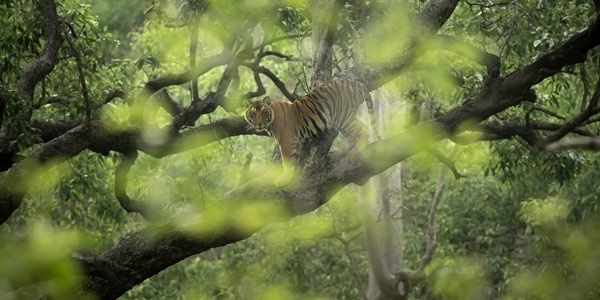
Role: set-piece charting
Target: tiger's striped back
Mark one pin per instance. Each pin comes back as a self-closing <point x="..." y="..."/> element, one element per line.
<point x="332" y="105"/>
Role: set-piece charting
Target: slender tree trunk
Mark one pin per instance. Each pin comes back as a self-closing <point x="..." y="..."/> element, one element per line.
<point x="325" y="16"/>
<point x="386" y="209"/>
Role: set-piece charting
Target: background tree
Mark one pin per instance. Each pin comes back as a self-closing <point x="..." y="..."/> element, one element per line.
<point x="140" y="102"/>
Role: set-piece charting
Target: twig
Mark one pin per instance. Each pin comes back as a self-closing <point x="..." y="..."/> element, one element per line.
<point x="481" y="5"/>
<point x="281" y="38"/>
<point x="84" y="90"/>
<point x="446" y="161"/>
<point x="274" y="78"/>
<point x="418" y="273"/>
<point x="591" y="109"/>
<point x="353" y="264"/>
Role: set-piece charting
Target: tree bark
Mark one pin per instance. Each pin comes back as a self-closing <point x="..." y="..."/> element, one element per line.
<point x="42" y="66"/>
<point x="325" y="16"/>
<point x="388" y="229"/>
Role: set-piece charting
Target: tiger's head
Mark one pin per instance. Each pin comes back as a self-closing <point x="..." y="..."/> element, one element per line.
<point x="259" y="114"/>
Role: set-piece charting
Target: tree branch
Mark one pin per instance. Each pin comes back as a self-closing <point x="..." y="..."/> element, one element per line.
<point x="42" y="66"/>
<point x="280" y="85"/>
<point x="325" y="16"/>
<point x="121" y="180"/>
<point x="573" y="123"/>
<point x="579" y="143"/>
<point x="281" y="38"/>
<point x="431" y="235"/>
<point x="84" y="90"/>
<point x="490" y="61"/>
<point x="207" y="64"/>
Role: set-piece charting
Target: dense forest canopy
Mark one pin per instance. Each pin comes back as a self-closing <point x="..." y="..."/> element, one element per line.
<point x="127" y="169"/>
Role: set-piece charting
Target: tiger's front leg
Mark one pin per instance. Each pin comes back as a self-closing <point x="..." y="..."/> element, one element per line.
<point x="287" y="150"/>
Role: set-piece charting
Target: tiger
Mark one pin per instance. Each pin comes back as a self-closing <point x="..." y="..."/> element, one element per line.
<point x="332" y="105"/>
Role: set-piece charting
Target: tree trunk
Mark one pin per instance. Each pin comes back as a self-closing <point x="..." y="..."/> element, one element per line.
<point x="325" y="16"/>
<point x="387" y="211"/>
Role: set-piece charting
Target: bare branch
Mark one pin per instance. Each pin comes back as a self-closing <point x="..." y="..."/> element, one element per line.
<point x="110" y="97"/>
<point x="541" y="109"/>
<point x="447" y="161"/>
<point x="42" y="66"/>
<point x="281" y="38"/>
<point x="290" y="96"/>
<point x="121" y="180"/>
<point x="431" y="236"/>
<point x="256" y="68"/>
<point x="579" y="143"/>
<point x="193" y="48"/>
<point x="345" y="243"/>
<point x="84" y="90"/>
<point x="207" y="64"/>
<point x="54" y="99"/>
<point x="203" y="105"/>
<point x="275" y="53"/>
<point x="490" y="5"/>
<point x="167" y="103"/>
<point x="576" y="121"/>
<point x="260" y="88"/>
<point x="490" y="61"/>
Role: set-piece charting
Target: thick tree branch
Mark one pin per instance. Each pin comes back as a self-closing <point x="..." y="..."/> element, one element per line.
<point x="490" y="61"/>
<point x="431" y="18"/>
<point x="110" y="97"/>
<point x="206" y="65"/>
<point x="167" y="102"/>
<point x="42" y="66"/>
<point x="203" y="105"/>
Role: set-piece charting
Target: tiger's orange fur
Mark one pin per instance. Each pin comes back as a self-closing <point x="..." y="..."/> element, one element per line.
<point x="333" y="105"/>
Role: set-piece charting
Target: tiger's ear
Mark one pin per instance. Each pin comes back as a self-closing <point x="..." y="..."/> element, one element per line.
<point x="267" y="100"/>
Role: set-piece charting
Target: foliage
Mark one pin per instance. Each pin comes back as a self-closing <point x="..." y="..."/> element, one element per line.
<point x="521" y="224"/>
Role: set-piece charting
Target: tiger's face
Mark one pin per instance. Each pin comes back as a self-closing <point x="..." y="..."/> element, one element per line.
<point x="259" y="115"/>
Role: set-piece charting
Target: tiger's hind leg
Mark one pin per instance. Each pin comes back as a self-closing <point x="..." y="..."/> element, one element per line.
<point x="356" y="136"/>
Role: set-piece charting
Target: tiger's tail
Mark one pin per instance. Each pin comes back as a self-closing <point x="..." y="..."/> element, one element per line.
<point x="369" y="103"/>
